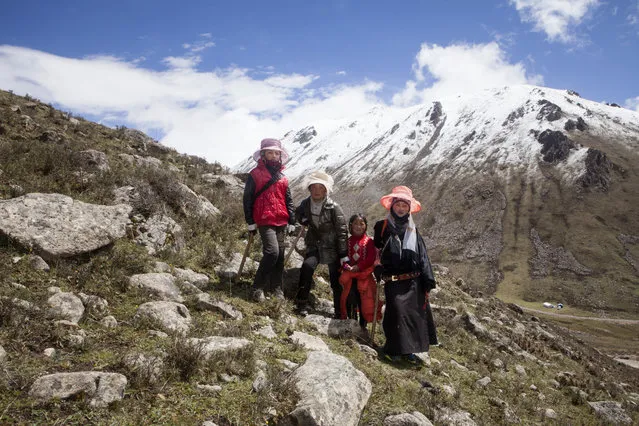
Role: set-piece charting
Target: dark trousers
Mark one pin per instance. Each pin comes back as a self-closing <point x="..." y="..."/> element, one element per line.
<point x="306" y="279"/>
<point x="354" y="303"/>
<point x="269" y="273"/>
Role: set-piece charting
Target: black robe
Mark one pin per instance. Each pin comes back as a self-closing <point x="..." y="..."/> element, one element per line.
<point x="408" y="321"/>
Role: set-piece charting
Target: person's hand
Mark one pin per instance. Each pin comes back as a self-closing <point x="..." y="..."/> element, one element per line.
<point x="355" y="268"/>
<point x="252" y="229"/>
<point x="290" y="229"/>
<point x="379" y="269"/>
<point x="347" y="267"/>
<point x="344" y="261"/>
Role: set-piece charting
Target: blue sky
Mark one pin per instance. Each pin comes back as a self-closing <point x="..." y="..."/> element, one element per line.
<point x="212" y="78"/>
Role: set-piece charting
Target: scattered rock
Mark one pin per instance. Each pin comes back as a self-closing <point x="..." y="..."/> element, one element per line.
<point x="102" y="388"/>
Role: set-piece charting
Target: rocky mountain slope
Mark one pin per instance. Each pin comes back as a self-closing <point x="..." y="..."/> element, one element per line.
<point x="529" y="192"/>
<point x="120" y="304"/>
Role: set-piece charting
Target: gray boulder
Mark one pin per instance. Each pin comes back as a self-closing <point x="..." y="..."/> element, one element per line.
<point x="102" y="388"/>
<point x="407" y="419"/>
<point x="59" y="226"/>
<point x="332" y="391"/>
<point x="159" y="285"/>
<point x="169" y="316"/>
<point x="66" y="306"/>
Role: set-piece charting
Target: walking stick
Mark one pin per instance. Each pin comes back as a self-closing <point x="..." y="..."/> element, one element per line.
<point x="246" y="252"/>
<point x="379" y="286"/>
<point x="290" y="252"/>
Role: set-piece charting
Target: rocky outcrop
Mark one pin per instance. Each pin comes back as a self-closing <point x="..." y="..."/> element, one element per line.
<point x="549" y="111"/>
<point x="549" y="259"/>
<point x="56" y="225"/>
<point x="556" y="146"/>
<point x="598" y="169"/>
<point x="331" y="391"/>
<point x="169" y="316"/>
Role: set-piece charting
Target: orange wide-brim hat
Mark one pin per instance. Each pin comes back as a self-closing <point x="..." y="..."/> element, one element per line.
<point x="402" y="193"/>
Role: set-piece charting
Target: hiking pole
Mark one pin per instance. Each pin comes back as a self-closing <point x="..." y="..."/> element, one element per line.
<point x="290" y="252"/>
<point x="379" y="286"/>
<point x="246" y="252"/>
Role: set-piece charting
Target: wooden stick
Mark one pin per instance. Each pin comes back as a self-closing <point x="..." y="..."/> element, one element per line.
<point x="246" y="252"/>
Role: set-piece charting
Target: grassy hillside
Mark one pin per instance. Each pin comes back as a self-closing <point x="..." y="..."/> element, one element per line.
<point x="533" y="365"/>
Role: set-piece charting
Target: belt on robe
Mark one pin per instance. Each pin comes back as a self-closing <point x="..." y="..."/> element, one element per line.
<point x="401" y="277"/>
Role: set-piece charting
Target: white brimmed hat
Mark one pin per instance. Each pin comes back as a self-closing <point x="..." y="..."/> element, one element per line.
<point x="322" y="178"/>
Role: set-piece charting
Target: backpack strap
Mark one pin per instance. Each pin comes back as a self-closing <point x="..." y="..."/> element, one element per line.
<point x="274" y="179"/>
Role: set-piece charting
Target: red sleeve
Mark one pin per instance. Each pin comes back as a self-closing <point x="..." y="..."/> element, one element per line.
<point x="371" y="254"/>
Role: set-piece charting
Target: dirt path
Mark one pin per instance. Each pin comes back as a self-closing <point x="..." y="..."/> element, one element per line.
<point x="555" y="314"/>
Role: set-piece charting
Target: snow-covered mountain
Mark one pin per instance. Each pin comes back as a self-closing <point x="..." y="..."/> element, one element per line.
<point x="524" y="187"/>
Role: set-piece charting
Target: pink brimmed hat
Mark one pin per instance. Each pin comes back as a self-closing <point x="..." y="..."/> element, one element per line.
<point x="273" y="145"/>
<point x="402" y="193"/>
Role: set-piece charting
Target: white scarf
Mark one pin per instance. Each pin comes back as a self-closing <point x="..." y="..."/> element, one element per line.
<point x="410" y="237"/>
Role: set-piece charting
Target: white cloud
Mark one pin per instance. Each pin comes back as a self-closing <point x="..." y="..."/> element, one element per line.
<point x="222" y="114"/>
<point x="182" y="62"/>
<point x="557" y="18"/>
<point x="632" y="103"/>
<point x="341" y="73"/>
<point x="458" y="68"/>
<point x="206" y="35"/>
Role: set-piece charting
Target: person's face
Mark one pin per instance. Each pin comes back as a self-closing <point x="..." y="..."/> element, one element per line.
<point x="270" y="155"/>
<point x="318" y="191"/>
<point x="401" y="208"/>
<point x="358" y="227"/>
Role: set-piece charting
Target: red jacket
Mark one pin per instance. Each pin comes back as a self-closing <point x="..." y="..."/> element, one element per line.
<point x="361" y="252"/>
<point x="270" y="207"/>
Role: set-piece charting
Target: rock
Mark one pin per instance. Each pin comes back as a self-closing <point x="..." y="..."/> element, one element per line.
<point x="109" y="322"/>
<point x="92" y="160"/>
<point x="309" y="342"/>
<point x="332" y="391"/>
<point x="213" y="389"/>
<point x="148" y="368"/>
<point x="205" y="302"/>
<point x="598" y="170"/>
<point x="521" y="371"/>
<point x="448" y="416"/>
<point x="160" y="232"/>
<point x="170" y="316"/>
<point x="407" y="419"/>
<point x="65" y="306"/>
<point x="213" y="344"/>
<point x="94" y="305"/>
<point x="483" y="382"/>
<point x="159" y="285"/>
<point x="611" y="412"/>
<point x="549" y="111"/>
<point x="549" y="413"/>
<point x="102" y="388"/>
<point x="38" y="263"/>
<point x="201" y="281"/>
<point x="228" y="270"/>
<point x="57" y="226"/>
<point x="556" y="146"/>
<point x="49" y="352"/>
<point x="3" y="355"/>
<point x="267" y="332"/>
<point x="260" y="382"/>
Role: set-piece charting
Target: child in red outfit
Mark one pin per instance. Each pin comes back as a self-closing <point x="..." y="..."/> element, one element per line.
<point x="357" y="277"/>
